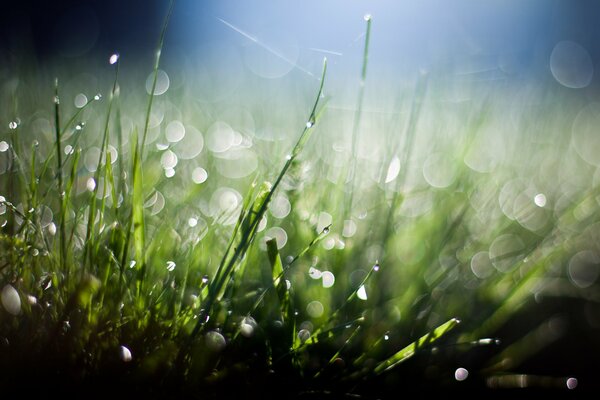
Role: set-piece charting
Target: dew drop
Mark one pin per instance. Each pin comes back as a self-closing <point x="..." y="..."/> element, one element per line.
<point x="11" y="300"/>
<point x="461" y="374"/>
<point x="572" y="383"/>
<point x="314" y="273"/>
<point x="540" y="200"/>
<point x="97" y="97"/>
<point x="171" y="266"/>
<point x="248" y="326"/>
<point x="90" y="184"/>
<point x="125" y="354"/>
<point x="303" y="335"/>
<point x="328" y="279"/>
<point x="3" y="146"/>
<point x="361" y="293"/>
<point x="132" y="264"/>
<point x="113" y="58"/>
<point x="367" y="17"/>
<point x="204" y="279"/>
<point x="215" y="341"/>
<point x="309" y="124"/>
<point x="386" y="337"/>
<point x="376" y="266"/>
<point x="192" y="222"/>
<point x="13" y="125"/>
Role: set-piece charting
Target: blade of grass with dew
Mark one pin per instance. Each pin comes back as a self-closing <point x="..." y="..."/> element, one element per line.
<point x="137" y="217"/>
<point x="62" y="228"/>
<point x="412" y="348"/>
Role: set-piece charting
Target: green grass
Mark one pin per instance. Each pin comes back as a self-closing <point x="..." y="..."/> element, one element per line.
<point x="124" y="276"/>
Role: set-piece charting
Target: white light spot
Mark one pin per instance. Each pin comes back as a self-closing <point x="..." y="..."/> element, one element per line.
<point x="11" y="300"/>
<point x="349" y="228"/>
<point x="192" y="222"/>
<point x="13" y="125"/>
<point x="219" y="137"/>
<point x="461" y="374"/>
<point x="80" y="100"/>
<point x="540" y="199"/>
<point x="571" y="65"/>
<point x="69" y="149"/>
<point x="280" y="206"/>
<point x="199" y="175"/>
<point x="175" y="131"/>
<point x="113" y="59"/>
<point x="367" y="17"/>
<point x="171" y="266"/>
<point x="168" y="159"/>
<point x="125" y="354"/>
<point x="309" y="124"/>
<point x="325" y="219"/>
<point x="279" y="234"/>
<point x="162" y="83"/>
<point x="3" y="146"/>
<point x="170" y="172"/>
<point x="90" y="184"/>
<point x="52" y="229"/>
<point x="314" y="273"/>
<point x="97" y="97"/>
<point x="328" y="279"/>
<point x="572" y="383"/>
<point x="393" y="170"/>
<point x="315" y="309"/>
<point x="361" y="293"/>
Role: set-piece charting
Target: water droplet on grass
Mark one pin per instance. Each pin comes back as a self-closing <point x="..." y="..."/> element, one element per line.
<point x="248" y="326"/>
<point x="376" y="266"/>
<point x="125" y="354"/>
<point x="367" y="17"/>
<point x="328" y="279"/>
<point x="132" y="264"/>
<point x="171" y="266"/>
<point x="461" y="374"/>
<point x="314" y="273"/>
<point x="192" y="222"/>
<point x="13" y="125"/>
<point x="204" y="279"/>
<point x="90" y="185"/>
<point x="113" y="58"/>
<point x="98" y="97"/>
<point x="11" y="300"/>
<point x="540" y="200"/>
<point x="361" y="293"/>
<point x="3" y="146"/>
<point x="215" y="341"/>
<point x="303" y="335"/>
<point x="309" y="124"/>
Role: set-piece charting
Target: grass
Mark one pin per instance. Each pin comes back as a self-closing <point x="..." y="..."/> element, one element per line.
<point x="116" y="275"/>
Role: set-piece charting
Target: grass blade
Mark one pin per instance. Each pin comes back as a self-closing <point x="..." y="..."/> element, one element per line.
<point x="412" y="348"/>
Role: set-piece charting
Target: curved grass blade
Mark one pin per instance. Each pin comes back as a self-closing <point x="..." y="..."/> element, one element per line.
<point x="412" y="348"/>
